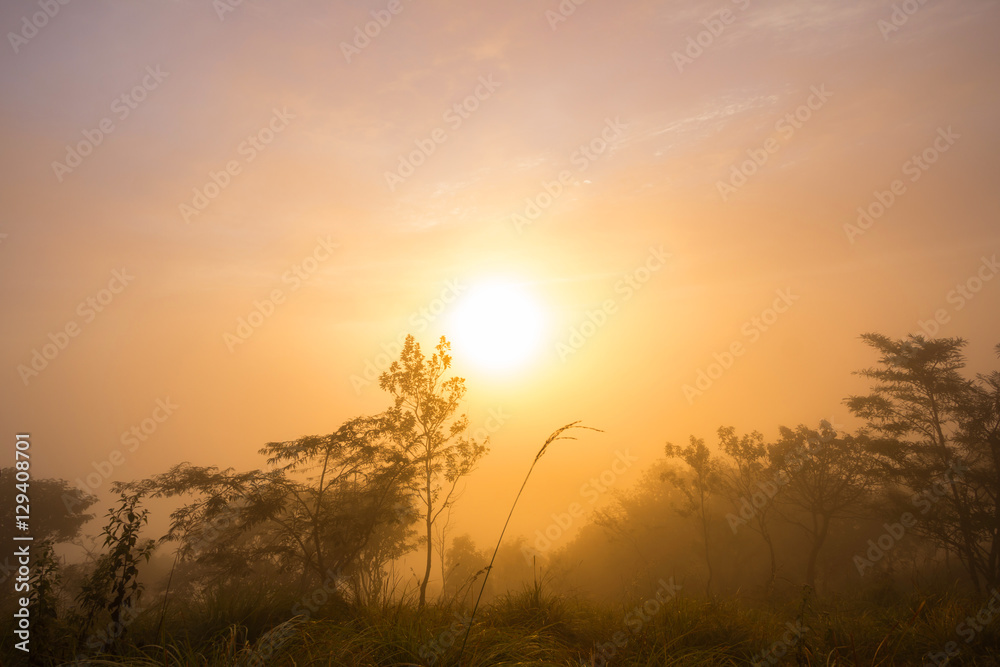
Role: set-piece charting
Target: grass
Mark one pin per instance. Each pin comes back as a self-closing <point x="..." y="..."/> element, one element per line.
<point x="556" y="435"/>
<point x="536" y="627"/>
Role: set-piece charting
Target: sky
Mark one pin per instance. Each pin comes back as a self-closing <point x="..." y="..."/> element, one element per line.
<point x="220" y="219"/>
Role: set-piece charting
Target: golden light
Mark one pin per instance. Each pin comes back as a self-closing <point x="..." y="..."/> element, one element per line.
<point x="497" y="326"/>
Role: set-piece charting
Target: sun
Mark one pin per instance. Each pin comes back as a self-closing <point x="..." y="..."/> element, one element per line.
<point x="497" y="326"/>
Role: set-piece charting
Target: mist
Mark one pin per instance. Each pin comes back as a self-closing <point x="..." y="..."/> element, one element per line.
<point x="403" y="333"/>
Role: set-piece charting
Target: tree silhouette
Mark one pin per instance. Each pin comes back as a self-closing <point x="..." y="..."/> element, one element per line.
<point x="57" y="509"/>
<point x="827" y="478"/>
<point x="704" y="482"/>
<point x="424" y="414"/>
<point x="750" y="485"/>
<point x="321" y="505"/>
<point x="940" y="431"/>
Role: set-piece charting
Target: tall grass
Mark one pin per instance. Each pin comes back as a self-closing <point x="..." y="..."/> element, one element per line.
<point x="535" y="626"/>
<point x="556" y="435"/>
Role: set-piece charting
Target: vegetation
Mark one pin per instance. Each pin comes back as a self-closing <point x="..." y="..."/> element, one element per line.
<point x="819" y="547"/>
<point x="425" y="405"/>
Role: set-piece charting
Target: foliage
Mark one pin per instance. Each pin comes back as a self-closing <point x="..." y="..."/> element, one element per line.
<point x="827" y="478"/>
<point x="940" y="439"/>
<point x="705" y="480"/>
<point x="748" y="484"/>
<point x="114" y="584"/>
<point x="325" y="501"/>
<point x="337" y="511"/>
<point x="423" y="412"/>
<point x="45" y="585"/>
<point x="57" y="509"/>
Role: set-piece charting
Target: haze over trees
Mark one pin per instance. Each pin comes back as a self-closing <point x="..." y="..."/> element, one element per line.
<point x="909" y="504"/>
<point x="338" y="507"/>
<point x="941" y="442"/>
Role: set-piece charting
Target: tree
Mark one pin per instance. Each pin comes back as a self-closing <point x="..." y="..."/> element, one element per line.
<point x="465" y="564"/>
<point x="704" y="481"/>
<point x="826" y="479"/>
<point x="57" y="509"/>
<point x="939" y="432"/>
<point x="322" y="503"/>
<point x="57" y="516"/>
<point x="424" y="413"/>
<point x="635" y="520"/>
<point x="357" y="477"/>
<point x="372" y="574"/>
<point x="749" y="484"/>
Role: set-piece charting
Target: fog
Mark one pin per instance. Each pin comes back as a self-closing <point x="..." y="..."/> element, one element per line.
<point x="390" y="332"/>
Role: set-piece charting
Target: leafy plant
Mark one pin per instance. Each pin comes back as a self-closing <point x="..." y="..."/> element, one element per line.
<point x="114" y="584"/>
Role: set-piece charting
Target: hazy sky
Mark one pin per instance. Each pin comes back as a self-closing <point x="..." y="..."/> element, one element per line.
<point x="177" y="162"/>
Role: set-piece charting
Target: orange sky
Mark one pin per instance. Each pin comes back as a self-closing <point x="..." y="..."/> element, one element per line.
<point x="302" y="140"/>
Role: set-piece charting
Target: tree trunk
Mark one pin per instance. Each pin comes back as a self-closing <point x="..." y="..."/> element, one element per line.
<point x="430" y="532"/>
<point x="429" y="518"/>
<point x="427" y="570"/>
<point x="811" y="566"/>
<point x="708" y="561"/>
<point x="818" y="539"/>
<point x="769" y="589"/>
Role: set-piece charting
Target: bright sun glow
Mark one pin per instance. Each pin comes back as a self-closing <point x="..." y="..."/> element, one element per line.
<point x="497" y="326"/>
